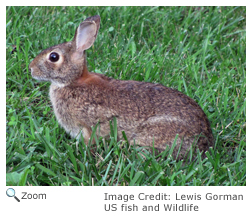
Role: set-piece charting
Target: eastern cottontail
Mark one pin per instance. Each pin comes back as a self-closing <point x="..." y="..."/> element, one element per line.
<point x="147" y="112"/>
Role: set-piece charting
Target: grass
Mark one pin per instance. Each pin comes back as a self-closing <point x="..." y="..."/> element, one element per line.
<point x="201" y="51"/>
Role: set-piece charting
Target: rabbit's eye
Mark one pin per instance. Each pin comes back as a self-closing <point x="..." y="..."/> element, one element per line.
<point x="53" y="57"/>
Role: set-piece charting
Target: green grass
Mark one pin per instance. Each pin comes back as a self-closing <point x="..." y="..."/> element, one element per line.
<point x="201" y="51"/>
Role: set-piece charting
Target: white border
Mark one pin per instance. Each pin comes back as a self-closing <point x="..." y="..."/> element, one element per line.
<point x="89" y="201"/>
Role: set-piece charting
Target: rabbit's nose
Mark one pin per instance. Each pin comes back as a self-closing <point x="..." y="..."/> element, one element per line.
<point x="31" y="66"/>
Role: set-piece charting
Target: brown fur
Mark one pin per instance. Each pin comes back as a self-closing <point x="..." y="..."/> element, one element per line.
<point x="147" y="112"/>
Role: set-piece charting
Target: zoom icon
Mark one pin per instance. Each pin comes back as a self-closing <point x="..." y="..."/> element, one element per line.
<point x="11" y="193"/>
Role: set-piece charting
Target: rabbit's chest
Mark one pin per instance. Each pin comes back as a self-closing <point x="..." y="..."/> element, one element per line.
<point x="63" y="109"/>
<point x="75" y="108"/>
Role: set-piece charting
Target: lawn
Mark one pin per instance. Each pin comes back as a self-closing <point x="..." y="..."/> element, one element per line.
<point x="201" y="51"/>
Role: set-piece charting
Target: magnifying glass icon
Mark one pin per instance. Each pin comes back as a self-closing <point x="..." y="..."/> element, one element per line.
<point x="11" y="193"/>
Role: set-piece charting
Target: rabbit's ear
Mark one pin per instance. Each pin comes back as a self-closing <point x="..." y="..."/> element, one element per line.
<point x="86" y="33"/>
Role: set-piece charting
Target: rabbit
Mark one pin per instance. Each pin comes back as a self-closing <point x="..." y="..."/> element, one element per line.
<point x="149" y="114"/>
